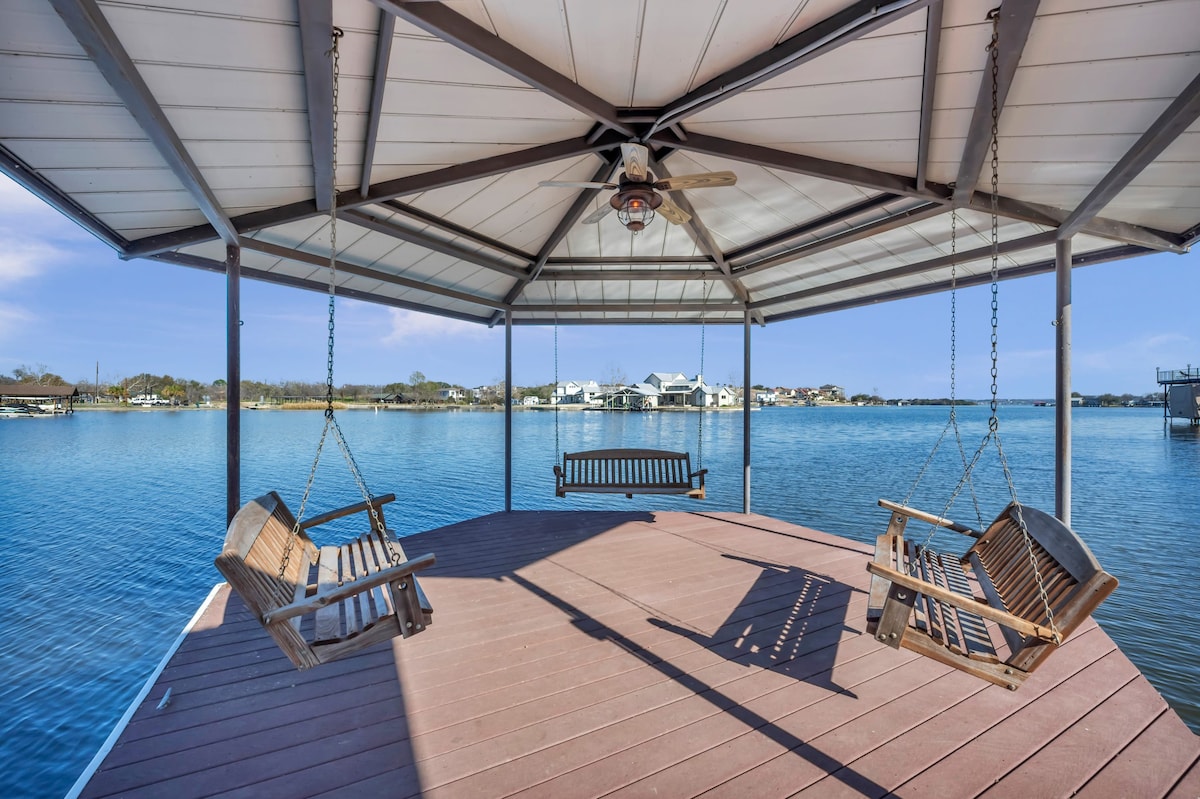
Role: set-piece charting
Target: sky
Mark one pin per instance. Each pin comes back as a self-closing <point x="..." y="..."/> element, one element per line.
<point x="70" y="306"/>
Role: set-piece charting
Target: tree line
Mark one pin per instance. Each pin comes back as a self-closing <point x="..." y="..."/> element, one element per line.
<point x="184" y="391"/>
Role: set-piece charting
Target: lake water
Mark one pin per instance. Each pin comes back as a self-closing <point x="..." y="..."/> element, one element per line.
<point x="111" y="521"/>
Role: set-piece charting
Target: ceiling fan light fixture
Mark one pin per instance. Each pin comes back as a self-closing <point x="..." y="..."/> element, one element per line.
<point x="635" y="207"/>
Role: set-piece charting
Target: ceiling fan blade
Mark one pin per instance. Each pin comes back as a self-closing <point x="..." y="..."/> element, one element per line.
<point x="577" y="184"/>
<point x="597" y="215"/>
<point x="637" y="159"/>
<point x="673" y="213"/>
<point x="703" y="180"/>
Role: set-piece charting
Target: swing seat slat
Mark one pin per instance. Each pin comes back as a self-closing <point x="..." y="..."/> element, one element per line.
<point x="628" y="472"/>
<point x="983" y="612"/>
<point x="320" y="604"/>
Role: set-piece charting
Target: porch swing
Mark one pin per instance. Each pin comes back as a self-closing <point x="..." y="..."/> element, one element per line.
<point x="323" y="603"/>
<point x="629" y="471"/>
<point x="1000" y="609"/>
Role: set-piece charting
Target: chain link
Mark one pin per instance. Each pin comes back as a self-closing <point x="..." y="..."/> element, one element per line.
<point x="557" y="398"/>
<point x="700" y="376"/>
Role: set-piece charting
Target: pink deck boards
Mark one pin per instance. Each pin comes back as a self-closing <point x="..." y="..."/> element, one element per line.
<point x="581" y="654"/>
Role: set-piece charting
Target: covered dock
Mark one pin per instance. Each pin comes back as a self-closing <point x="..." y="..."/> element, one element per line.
<point x="468" y="154"/>
<point x="586" y="654"/>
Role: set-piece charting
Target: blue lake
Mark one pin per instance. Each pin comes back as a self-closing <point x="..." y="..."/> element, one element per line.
<point x="111" y="521"/>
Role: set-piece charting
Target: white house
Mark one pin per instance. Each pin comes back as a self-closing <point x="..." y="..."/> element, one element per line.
<point x="453" y="394"/>
<point x="531" y="400"/>
<point x="572" y="392"/>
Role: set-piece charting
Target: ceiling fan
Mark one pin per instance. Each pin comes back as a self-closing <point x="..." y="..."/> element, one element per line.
<point x="638" y="197"/>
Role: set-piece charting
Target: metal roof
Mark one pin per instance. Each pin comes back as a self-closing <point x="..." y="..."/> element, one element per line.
<point x="173" y="129"/>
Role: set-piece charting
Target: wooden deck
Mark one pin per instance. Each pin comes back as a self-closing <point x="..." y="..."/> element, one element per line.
<point x="640" y="654"/>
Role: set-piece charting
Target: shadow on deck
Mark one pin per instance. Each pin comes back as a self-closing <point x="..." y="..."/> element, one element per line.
<point x="586" y="654"/>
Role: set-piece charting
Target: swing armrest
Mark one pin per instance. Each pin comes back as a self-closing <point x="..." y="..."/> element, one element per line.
<point x="928" y="518"/>
<point x="346" y="511"/>
<point x="347" y="590"/>
<point x="699" y="473"/>
<point x="976" y="606"/>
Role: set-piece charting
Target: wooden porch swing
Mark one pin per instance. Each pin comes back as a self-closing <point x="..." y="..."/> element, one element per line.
<point x="322" y="603"/>
<point x="1001" y="608"/>
<point x="630" y="471"/>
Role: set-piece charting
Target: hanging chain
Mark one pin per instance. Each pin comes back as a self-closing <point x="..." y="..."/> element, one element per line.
<point x="700" y="422"/>
<point x="330" y="421"/>
<point x="333" y="51"/>
<point x="557" y="398"/>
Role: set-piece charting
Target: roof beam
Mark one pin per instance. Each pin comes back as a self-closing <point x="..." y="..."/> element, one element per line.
<point x="429" y="242"/>
<point x="1179" y="116"/>
<point x="633" y="307"/>
<point x="455" y="29"/>
<point x="568" y="221"/>
<point x="898" y="184"/>
<point x="387" y="190"/>
<point x="446" y="226"/>
<point x="908" y="270"/>
<point x="619" y="275"/>
<point x="793" y="162"/>
<point x="784" y="236"/>
<point x="383" y="58"/>
<point x="362" y="271"/>
<point x="891" y="222"/>
<point x="37" y="185"/>
<point x="207" y="264"/>
<point x="633" y="260"/>
<point x="87" y="23"/>
<point x="933" y="46"/>
<point x="704" y="240"/>
<point x="850" y="23"/>
<point x="1016" y="19"/>
<point x="1011" y="273"/>
<point x="316" y="30"/>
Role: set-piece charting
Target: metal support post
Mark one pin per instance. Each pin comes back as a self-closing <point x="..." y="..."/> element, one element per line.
<point x="746" y="413"/>
<point x="508" y="326"/>
<point x="233" y="381"/>
<point x="1062" y="392"/>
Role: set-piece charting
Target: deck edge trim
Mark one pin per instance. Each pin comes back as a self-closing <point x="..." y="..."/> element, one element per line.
<point x="90" y="770"/>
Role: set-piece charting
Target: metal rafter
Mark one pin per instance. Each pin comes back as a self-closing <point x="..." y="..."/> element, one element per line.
<point x="446" y="226"/>
<point x="1179" y="116"/>
<point x="455" y="29"/>
<point x="320" y="287"/>
<point x="1011" y="273"/>
<point x="569" y="220"/>
<point x="316" y="27"/>
<point x="422" y="239"/>
<point x="863" y="177"/>
<point x="387" y="190"/>
<point x="890" y="222"/>
<point x="322" y="261"/>
<point x="844" y="26"/>
<point x="933" y="46"/>
<point x="26" y="176"/>
<point x="942" y="261"/>
<point x="1016" y="19"/>
<point x="805" y="228"/>
<point x="794" y="162"/>
<point x="703" y="238"/>
<point x="585" y="275"/>
<point x="89" y="27"/>
<point x="383" y="58"/>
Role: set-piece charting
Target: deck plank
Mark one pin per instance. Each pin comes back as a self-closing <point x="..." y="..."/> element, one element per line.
<point x="579" y="654"/>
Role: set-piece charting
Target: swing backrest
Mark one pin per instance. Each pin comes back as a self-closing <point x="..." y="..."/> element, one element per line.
<point x="254" y="549"/>
<point x="1071" y="577"/>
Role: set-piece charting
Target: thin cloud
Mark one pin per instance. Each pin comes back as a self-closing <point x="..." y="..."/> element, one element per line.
<point x="12" y="318"/>
<point x="410" y="326"/>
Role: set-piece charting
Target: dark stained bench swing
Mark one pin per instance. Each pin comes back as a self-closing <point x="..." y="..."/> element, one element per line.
<point x="628" y="472"/>
<point x="998" y="610"/>
<point x="322" y="603"/>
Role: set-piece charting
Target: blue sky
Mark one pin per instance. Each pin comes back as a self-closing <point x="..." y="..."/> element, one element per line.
<point x="67" y="302"/>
